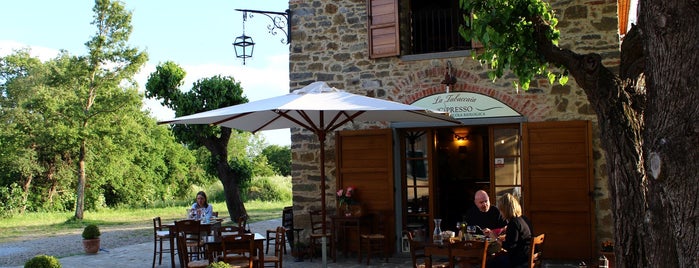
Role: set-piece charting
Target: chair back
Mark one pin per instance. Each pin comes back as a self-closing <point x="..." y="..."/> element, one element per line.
<point x="230" y="230"/>
<point x="416" y="248"/>
<point x="471" y="252"/>
<point x="280" y="244"/>
<point x="243" y="223"/>
<point x="238" y="249"/>
<point x="188" y="235"/>
<point x="537" y="249"/>
<point x="158" y="230"/>
<point x="317" y="222"/>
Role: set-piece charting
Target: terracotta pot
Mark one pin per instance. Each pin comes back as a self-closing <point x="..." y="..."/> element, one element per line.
<point x="91" y="246"/>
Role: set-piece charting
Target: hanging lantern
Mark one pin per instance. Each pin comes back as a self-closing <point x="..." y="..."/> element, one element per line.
<point x="243" y="47"/>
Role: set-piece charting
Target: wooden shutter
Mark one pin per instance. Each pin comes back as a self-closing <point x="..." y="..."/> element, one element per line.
<point x="383" y="28"/>
<point x="557" y="186"/>
<point x="365" y="160"/>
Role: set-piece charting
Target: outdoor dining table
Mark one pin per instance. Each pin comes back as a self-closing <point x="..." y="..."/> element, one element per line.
<point x="212" y="246"/>
<point x="210" y="227"/>
<point x="444" y="249"/>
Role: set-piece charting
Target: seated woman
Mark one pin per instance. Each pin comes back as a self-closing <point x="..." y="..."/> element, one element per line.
<point x="518" y="236"/>
<point x="202" y="203"/>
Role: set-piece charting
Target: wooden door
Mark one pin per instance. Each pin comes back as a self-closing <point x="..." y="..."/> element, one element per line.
<point x="557" y="186"/>
<point x="365" y="161"/>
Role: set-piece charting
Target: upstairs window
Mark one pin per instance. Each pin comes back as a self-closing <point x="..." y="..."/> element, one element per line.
<point x="411" y="27"/>
<point x="433" y="27"/>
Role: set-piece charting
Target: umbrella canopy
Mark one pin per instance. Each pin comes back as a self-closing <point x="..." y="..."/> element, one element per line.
<point x="316" y="107"/>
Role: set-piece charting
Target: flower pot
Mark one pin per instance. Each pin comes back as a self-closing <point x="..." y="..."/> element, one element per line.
<point x="91" y="246"/>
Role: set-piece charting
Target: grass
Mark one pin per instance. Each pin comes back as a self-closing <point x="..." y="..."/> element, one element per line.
<point x="59" y="223"/>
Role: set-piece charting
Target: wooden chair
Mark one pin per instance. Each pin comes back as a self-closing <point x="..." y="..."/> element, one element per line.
<point x="243" y="223"/>
<point x="189" y="238"/>
<point x="374" y="242"/>
<point x="160" y="233"/>
<point x="190" y="243"/>
<point x="317" y="234"/>
<point x="279" y="249"/>
<point x="468" y="253"/>
<point x="238" y="250"/>
<point x="230" y="230"/>
<point x="417" y="253"/>
<point x="537" y="250"/>
<point x="287" y="215"/>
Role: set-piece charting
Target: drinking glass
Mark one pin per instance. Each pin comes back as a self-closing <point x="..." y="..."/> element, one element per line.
<point x="471" y="229"/>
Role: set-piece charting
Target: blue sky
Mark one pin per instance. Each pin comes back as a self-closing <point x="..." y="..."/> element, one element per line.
<point x="197" y="35"/>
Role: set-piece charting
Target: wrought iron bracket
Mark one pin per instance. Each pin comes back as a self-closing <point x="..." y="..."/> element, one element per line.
<point x="280" y="22"/>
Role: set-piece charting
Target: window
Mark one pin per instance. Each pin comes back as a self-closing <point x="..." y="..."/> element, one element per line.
<point x="433" y="26"/>
<point x="410" y="27"/>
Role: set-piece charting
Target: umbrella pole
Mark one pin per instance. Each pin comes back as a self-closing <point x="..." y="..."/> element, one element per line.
<point x="324" y="239"/>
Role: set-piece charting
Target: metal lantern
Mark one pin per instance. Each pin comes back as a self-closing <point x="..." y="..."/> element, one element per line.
<point x="241" y="45"/>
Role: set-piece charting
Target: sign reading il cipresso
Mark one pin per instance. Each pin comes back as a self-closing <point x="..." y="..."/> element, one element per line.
<point x="466" y="105"/>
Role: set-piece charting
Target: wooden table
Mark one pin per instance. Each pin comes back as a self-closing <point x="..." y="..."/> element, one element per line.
<point x="346" y="228"/>
<point x="445" y="250"/>
<point x="213" y="245"/>
<point x="210" y="227"/>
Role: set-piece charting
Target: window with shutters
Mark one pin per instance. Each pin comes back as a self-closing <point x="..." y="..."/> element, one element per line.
<point x="413" y="27"/>
<point x="433" y="26"/>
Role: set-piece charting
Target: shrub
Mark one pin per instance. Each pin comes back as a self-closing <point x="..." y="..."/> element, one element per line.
<point x="42" y="261"/>
<point x="91" y="232"/>
<point x="274" y="188"/>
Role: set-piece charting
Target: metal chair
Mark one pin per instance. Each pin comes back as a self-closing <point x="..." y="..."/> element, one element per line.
<point x="160" y="233"/>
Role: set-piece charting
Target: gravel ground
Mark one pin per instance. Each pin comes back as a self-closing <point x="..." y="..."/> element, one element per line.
<point x="18" y="252"/>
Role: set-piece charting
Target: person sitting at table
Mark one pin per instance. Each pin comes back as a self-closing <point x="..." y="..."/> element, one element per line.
<point x="484" y="215"/>
<point x="202" y="203"/>
<point x="518" y="238"/>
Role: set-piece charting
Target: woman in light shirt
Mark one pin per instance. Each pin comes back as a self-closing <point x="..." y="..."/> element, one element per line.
<point x="203" y="204"/>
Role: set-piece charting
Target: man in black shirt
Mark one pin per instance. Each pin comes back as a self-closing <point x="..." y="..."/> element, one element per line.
<point x="484" y="215"/>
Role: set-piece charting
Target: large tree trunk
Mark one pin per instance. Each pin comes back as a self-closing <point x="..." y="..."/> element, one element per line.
<point x="82" y="180"/>
<point x="219" y="152"/>
<point x="649" y="128"/>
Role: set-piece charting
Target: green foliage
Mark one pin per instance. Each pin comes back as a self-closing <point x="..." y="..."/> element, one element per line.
<point x="279" y="157"/>
<point x="274" y="188"/>
<point x="506" y="29"/>
<point x="10" y="200"/>
<point x="244" y="168"/>
<point x="43" y="261"/>
<point x="91" y="231"/>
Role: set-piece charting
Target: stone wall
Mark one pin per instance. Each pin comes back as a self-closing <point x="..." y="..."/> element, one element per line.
<point x="329" y="43"/>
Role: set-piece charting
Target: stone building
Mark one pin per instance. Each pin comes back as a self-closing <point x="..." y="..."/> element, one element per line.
<point x="404" y="51"/>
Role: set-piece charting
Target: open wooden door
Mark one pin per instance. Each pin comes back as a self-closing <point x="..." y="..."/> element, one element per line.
<point x="365" y="160"/>
<point x="557" y="186"/>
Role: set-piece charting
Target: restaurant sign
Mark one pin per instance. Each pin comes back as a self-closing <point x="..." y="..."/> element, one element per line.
<point x="466" y="105"/>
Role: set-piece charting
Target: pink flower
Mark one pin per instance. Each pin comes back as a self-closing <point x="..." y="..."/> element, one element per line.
<point x="344" y="196"/>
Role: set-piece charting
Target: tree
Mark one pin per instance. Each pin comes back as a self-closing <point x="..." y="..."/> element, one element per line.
<point x="279" y="157"/>
<point x="110" y="61"/>
<point x="648" y="114"/>
<point x="206" y="94"/>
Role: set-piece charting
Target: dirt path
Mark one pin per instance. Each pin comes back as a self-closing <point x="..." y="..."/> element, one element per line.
<point x="17" y="252"/>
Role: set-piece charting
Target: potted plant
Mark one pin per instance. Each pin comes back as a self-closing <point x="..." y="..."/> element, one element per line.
<point x="91" y="239"/>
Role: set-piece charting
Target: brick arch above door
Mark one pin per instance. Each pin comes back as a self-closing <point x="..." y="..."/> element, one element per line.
<point x="427" y="82"/>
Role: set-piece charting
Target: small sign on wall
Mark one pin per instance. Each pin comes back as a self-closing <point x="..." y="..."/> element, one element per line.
<point x="499" y="162"/>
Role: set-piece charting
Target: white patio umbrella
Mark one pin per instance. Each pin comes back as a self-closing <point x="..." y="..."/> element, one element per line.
<point x="316" y="107"/>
